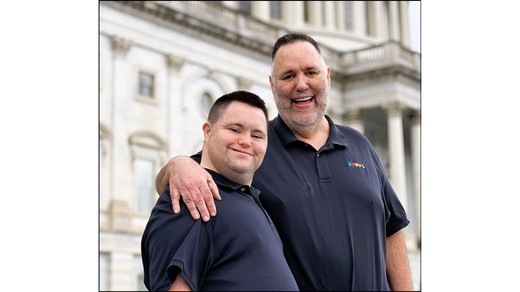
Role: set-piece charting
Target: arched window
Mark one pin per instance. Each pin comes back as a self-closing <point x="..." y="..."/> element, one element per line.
<point x="206" y="102"/>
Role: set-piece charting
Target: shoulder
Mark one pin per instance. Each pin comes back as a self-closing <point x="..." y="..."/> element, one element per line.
<point x="353" y="136"/>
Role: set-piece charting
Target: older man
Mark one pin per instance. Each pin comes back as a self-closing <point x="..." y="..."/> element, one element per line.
<point x="322" y="184"/>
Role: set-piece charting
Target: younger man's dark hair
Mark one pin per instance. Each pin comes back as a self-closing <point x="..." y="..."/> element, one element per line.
<point x="243" y="96"/>
<point x="292" y="38"/>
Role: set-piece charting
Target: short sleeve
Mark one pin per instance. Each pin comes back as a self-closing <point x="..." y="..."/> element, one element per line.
<point x="193" y="257"/>
<point x="397" y="216"/>
<point x="174" y="240"/>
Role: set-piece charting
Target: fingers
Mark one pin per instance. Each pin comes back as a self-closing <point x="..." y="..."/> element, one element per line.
<point x="208" y="201"/>
<point x="188" y="197"/>
<point x="214" y="189"/>
<point x="175" y="196"/>
<point x="201" y="205"/>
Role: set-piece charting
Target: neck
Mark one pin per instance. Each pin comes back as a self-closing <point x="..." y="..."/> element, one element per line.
<point x="316" y="135"/>
<point x="240" y="178"/>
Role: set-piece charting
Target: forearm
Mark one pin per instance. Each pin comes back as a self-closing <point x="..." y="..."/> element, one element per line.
<point x="397" y="267"/>
<point x="179" y="284"/>
<point x="162" y="179"/>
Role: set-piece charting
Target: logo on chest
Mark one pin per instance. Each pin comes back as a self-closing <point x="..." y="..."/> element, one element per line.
<point x="356" y="165"/>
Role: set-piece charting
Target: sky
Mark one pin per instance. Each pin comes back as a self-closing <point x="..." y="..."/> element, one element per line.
<point x="414" y="11"/>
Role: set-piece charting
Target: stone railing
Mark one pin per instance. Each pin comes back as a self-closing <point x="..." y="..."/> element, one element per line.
<point x="390" y="53"/>
<point x="221" y="15"/>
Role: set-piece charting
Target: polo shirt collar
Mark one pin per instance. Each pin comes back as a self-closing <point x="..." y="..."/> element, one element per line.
<point x="225" y="182"/>
<point x="336" y="137"/>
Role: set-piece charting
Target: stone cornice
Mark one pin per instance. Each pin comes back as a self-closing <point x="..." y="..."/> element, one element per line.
<point x="171" y="18"/>
<point x="228" y="27"/>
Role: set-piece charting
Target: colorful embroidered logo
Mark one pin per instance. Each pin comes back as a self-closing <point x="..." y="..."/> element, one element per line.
<point x="356" y="165"/>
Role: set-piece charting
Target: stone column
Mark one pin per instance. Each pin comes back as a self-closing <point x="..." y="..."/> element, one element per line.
<point x="121" y="98"/>
<point x="358" y="22"/>
<point x="260" y="10"/>
<point x="292" y="12"/>
<point x="415" y="135"/>
<point x="353" y="119"/>
<point x="405" y="23"/>
<point x="376" y="19"/>
<point x="340" y="15"/>
<point x="314" y="13"/>
<point x="397" y="172"/>
<point x="330" y="17"/>
<point x="393" y="29"/>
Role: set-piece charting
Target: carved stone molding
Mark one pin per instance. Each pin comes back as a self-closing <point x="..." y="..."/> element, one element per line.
<point x="244" y="83"/>
<point x="353" y="114"/>
<point x="394" y="108"/>
<point x="121" y="46"/>
<point x="175" y="63"/>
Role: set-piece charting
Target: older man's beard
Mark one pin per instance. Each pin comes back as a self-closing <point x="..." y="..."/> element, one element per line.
<point x="293" y="120"/>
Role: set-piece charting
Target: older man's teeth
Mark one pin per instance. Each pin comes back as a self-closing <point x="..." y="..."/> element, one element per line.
<point x="303" y="99"/>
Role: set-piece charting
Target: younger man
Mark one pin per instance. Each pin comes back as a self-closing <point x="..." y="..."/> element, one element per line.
<point x="239" y="249"/>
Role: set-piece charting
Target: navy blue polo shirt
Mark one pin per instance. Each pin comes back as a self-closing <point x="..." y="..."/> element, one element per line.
<point x="239" y="249"/>
<point x="333" y="208"/>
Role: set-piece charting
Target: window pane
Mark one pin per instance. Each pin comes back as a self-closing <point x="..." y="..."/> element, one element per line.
<point x="207" y="102"/>
<point x="145" y="84"/>
<point x="145" y="184"/>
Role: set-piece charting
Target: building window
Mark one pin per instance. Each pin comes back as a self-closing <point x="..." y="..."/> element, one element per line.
<point x="348" y="15"/>
<point x="206" y="102"/>
<point x="275" y="9"/>
<point x="245" y="6"/>
<point x="145" y="184"/>
<point x="146" y="87"/>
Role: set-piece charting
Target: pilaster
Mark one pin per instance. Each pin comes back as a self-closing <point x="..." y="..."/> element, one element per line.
<point x="121" y="175"/>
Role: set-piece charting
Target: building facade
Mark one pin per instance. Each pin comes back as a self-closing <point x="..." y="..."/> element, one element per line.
<point x="162" y="64"/>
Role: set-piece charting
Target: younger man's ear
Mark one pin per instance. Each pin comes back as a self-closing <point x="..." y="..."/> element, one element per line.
<point x="206" y="128"/>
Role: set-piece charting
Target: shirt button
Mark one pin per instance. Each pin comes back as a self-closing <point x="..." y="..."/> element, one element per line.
<point x="318" y="155"/>
<point x="242" y="189"/>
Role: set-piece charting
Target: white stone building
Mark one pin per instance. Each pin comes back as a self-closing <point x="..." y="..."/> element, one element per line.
<point x="162" y="64"/>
